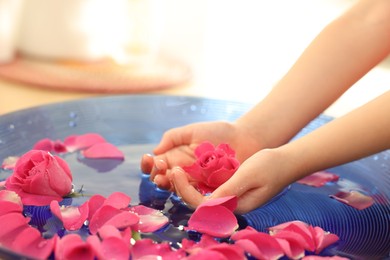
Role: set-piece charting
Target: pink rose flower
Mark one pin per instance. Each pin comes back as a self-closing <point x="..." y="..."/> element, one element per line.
<point x="213" y="167"/>
<point x="39" y="178"/>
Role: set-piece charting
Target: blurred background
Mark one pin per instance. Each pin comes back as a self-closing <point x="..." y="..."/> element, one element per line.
<point x="56" y="50"/>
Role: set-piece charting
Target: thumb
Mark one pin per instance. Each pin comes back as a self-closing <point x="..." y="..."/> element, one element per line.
<point x="232" y="187"/>
<point x="173" y="138"/>
<point x="184" y="189"/>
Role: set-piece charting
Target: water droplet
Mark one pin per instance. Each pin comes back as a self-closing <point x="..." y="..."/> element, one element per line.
<point x="42" y="244"/>
<point x="203" y="111"/>
<point x="193" y="107"/>
<point x="11" y="127"/>
<point x="73" y="115"/>
<point x="376" y="157"/>
<point x="72" y="124"/>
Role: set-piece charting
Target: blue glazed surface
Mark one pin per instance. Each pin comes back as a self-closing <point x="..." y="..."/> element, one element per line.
<point x="135" y="123"/>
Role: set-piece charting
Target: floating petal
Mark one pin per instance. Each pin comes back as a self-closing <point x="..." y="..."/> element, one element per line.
<point x="95" y="203"/>
<point x="296" y="232"/>
<point x="10" y="202"/>
<point x="79" y="142"/>
<point x="267" y="246"/>
<point x="72" y="217"/>
<point x="148" y="249"/>
<point x="118" y="200"/>
<point x="9" y="162"/>
<point x="354" y="199"/>
<point x="114" y="248"/>
<point x="16" y="223"/>
<point x="323" y="239"/>
<point x="108" y="215"/>
<point x="72" y="246"/>
<point x="49" y="145"/>
<point x="150" y="219"/>
<point x="207" y="220"/>
<point x="29" y="242"/>
<point x="229" y="202"/>
<point x="103" y="150"/>
<point x="319" y="179"/>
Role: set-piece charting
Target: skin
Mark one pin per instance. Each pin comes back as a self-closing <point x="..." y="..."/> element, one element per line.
<point x="340" y="55"/>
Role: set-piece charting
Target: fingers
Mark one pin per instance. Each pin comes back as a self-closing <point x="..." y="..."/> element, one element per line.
<point x="159" y="168"/>
<point x="234" y="186"/>
<point x="147" y="163"/>
<point x="184" y="189"/>
<point x="173" y="138"/>
<point x="163" y="182"/>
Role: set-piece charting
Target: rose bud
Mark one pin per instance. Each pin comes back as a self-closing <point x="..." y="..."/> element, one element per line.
<point x="40" y="177"/>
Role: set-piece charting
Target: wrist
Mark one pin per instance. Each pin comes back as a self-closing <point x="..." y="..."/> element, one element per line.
<point x="290" y="163"/>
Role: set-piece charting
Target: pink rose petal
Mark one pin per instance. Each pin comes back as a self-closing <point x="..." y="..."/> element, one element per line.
<point x="103" y="151"/>
<point x="72" y="217"/>
<point x="123" y="220"/>
<point x="150" y="219"/>
<point x="101" y="216"/>
<point x="219" y="251"/>
<point x="316" y="257"/>
<point x="250" y="247"/>
<point x="108" y="215"/>
<point x="293" y="245"/>
<point x="267" y="246"/>
<point x="72" y="246"/>
<point x="95" y="203"/>
<point x="217" y="178"/>
<point x="16" y="223"/>
<point x="207" y="254"/>
<point x="323" y="239"/>
<point x="230" y="251"/>
<point x="213" y="166"/>
<point x="118" y="200"/>
<point x="79" y="142"/>
<point x="229" y="202"/>
<point x="207" y="220"/>
<point x="109" y="231"/>
<point x="291" y="249"/>
<point x="29" y="242"/>
<point x="10" y="202"/>
<point x="354" y="199"/>
<point x="9" y="207"/>
<point x="319" y="179"/>
<point x="203" y="148"/>
<point x="49" y="145"/>
<point x="296" y="232"/>
<point x="300" y="234"/>
<point x="207" y="241"/>
<point x="114" y="248"/>
<point x="45" y="144"/>
<point x="148" y="249"/>
<point x="243" y="233"/>
<point x="94" y="242"/>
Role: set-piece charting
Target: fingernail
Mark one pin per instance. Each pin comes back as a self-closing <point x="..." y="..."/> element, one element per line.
<point x="159" y="164"/>
<point x="177" y="169"/>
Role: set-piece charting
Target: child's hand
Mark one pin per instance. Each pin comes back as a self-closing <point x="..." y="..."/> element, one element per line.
<point x="177" y="147"/>
<point x="258" y="180"/>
